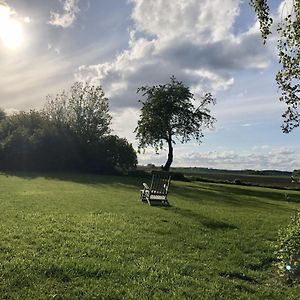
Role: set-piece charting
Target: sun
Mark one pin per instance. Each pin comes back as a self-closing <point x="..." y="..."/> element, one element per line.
<point x="12" y="34"/>
<point x="11" y="31"/>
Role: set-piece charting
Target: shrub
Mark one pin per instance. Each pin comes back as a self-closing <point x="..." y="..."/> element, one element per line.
<point x="288" y="250"/>
<point x="117" y="154"/>
<point x="139" y="174"/>
<point x="178" y="176"/>
<point x="237" y="181"/>
<point x="296" y="176"/>
<point x="30" y="141"/>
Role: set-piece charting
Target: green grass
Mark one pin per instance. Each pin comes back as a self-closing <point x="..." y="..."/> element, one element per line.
<point x="88" y="237"/>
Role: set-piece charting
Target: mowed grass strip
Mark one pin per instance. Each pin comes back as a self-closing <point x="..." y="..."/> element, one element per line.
<point x="88" y="237"/>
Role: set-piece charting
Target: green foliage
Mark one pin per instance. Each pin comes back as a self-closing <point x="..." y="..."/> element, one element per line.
<point x="2" y="114"/>
<point x="288" y="78"/>
<point x="296" y="175"/>
<point x="168" y="113"/>
<point x="288" y="250"/>
<point x="265" y="21"/>
<point x="30" y="141"/>
<point x="119" y="152"/>
<point x="70" y="134"/>
<point x="84" y="109"/>
<point x="110" y="154"/>
<point x="89" y="114"/>
<point x="57" y="109"/>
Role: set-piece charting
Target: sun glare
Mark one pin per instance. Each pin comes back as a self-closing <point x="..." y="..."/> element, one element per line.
<point x="11" y="31"/>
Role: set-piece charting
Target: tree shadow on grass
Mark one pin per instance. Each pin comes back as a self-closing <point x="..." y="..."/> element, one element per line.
<point x="82" y="178"/>
<point x="215" y="193"/>
<point x="264" y="264"/>
<point x="268" y="193"/>
<point x="203" y="220"/>
<point x="230" y="196"/>
<point x="213" y="224"/>
<point x="238" y="275"/>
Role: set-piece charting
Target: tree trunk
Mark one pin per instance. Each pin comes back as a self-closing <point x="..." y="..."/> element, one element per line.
<point x="167" y="166"/>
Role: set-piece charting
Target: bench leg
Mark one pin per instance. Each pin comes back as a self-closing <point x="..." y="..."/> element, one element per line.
<point x="143" y="196"/>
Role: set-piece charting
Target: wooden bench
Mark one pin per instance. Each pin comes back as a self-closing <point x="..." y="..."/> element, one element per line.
<point x="157" y="193"/>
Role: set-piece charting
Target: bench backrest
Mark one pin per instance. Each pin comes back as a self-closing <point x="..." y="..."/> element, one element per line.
<point x="160" y="183"/>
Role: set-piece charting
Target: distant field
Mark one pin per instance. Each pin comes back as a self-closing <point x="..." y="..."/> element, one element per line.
<point x="281" y="181"/>
<point x="88" y="237"/>
<point x="272" y="181"/>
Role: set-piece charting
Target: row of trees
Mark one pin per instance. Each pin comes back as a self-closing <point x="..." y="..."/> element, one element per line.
<point x="72" y="133"/>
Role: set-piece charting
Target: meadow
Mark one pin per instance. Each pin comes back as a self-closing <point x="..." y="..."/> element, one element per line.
<point x="275" y="179"/>
<point x="89" y="237"/>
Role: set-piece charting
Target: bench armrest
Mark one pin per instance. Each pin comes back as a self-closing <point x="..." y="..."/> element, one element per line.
<point x="146" y="186"/>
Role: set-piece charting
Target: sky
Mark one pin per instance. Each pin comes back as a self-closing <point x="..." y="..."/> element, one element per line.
<point x="210" y="45"/>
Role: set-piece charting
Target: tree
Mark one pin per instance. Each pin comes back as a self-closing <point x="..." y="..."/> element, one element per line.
<point x="289" y="57"/>
<point x="84" y="112"/>
<point x="84" y="109"/>
<point x="90" y="116"/>
<point x="296" y="176"/>
<point x="169" y="113"/>
<point x="2" y="114"/>
<point x="57" y="109"/>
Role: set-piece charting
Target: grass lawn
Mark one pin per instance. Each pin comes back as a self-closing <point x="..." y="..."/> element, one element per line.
<point x="88" y="237"/>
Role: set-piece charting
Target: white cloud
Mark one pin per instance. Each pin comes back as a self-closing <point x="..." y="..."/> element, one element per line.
<point x="25" y="82"/>
<point x="5" y="10"/>
<point x="124" y="122"/>
<point x="190" y="39"/>
<point x="52" y="48"/>
<point x="170" y="19"/>
<point x="276" y="158"/>
<point x="285" y="8"/>
<point x="248" y="110"/>
<point x="67" y="18"/>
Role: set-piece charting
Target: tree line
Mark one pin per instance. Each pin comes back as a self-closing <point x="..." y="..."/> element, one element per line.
<point x="71" y="133"/>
